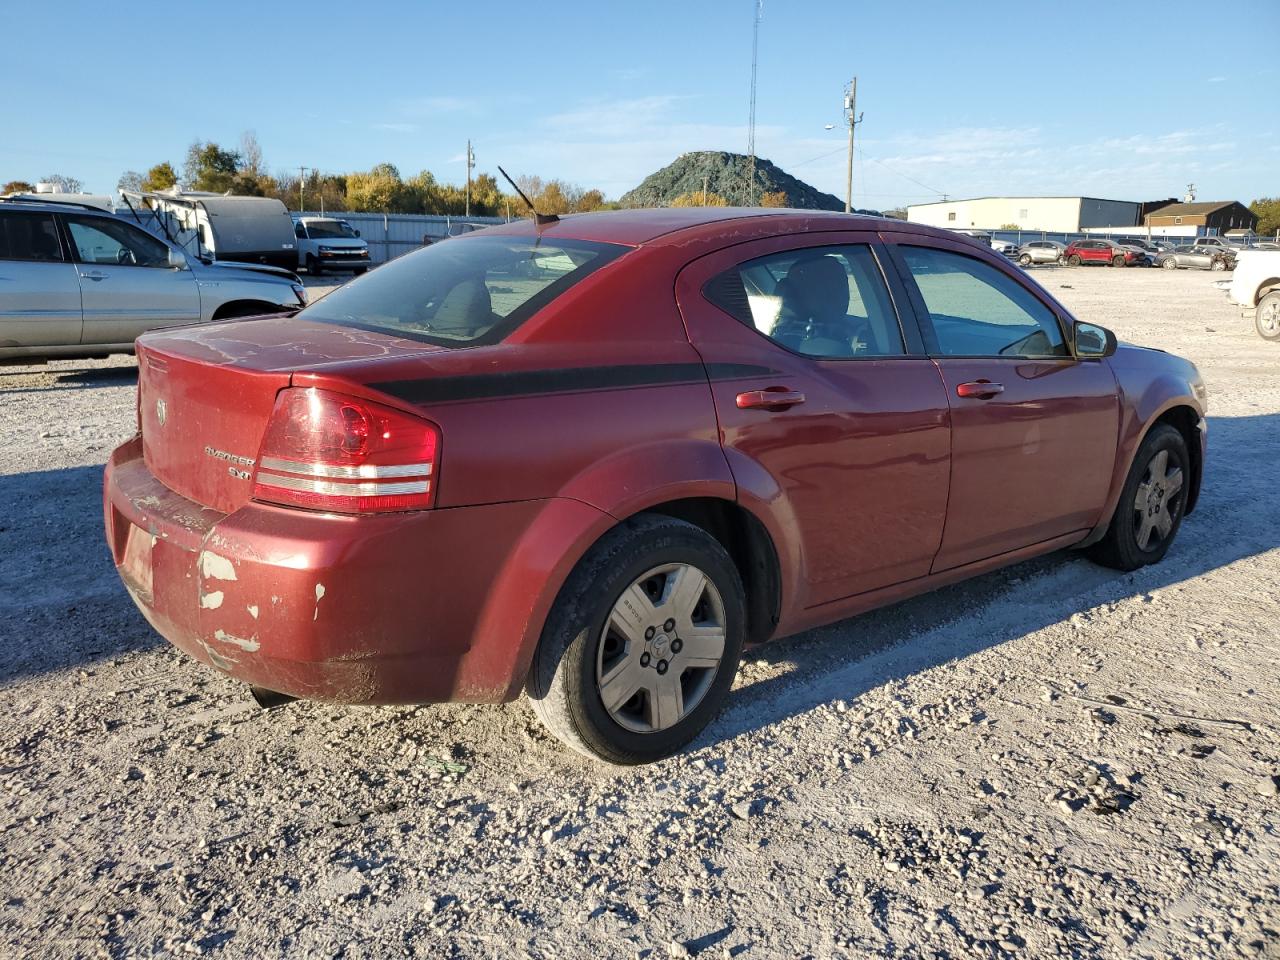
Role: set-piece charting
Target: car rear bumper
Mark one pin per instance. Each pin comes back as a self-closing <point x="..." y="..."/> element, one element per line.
<point x="418" y="607"/>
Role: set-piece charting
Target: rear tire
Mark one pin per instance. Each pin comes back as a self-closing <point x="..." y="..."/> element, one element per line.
<point x="1151" y="504"/>
<point x="641" y="615"/>
<point x="1074" y="259"/>
<point x="1266" y="318"/>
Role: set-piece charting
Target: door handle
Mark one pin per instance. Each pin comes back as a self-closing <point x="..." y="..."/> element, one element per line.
<point x="96" y="275"/>
<point x="770" y="398"/>
<point x="979" y="389"/>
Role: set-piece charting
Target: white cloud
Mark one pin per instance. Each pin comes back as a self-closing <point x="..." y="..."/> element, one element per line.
<point x="396" y="127"/>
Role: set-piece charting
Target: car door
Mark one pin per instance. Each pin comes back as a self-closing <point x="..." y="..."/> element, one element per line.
<point x="126" y="284"/>
<point x="1033" y="430"/>
<point x="821" y="401"/>
<point x="39" y="289"/>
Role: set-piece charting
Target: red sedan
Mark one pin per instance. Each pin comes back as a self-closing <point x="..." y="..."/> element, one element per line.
<point x="590" y="460"/>
<point x="1103" y="251"/>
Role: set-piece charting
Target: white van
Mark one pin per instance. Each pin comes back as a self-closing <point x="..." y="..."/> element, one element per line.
<point x="327" y="243"/>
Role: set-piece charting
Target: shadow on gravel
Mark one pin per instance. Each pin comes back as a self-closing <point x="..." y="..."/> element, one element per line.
<point x="44" y="380"/>
<point x="839" y="661"/>
<point x="61" y="601"/>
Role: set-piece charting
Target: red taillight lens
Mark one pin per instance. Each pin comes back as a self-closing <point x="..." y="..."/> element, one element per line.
<point x="324" y="451"/>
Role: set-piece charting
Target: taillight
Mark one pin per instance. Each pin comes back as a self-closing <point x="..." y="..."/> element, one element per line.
<point x="325" y="451"/>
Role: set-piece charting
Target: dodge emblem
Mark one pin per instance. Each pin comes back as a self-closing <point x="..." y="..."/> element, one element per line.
<point x="161" y="410"/>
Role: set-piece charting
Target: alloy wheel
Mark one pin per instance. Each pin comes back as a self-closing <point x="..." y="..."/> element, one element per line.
<point x="1158" y="502"/>
<point x="1269" y="318"/>
<point x="660" y="648"/>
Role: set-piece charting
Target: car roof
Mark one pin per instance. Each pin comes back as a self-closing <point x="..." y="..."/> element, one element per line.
<point x="641" y="226"/>
<point x="42" y="206"/>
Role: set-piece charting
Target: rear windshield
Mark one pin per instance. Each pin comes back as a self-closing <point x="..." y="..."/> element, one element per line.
<point x="329" y="228"/>
<point x="463" y="292"/>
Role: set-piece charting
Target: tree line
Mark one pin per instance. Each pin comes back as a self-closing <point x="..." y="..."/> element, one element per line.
<point x="210" y="166"/>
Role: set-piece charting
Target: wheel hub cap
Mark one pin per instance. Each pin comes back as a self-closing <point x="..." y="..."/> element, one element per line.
<point x="1158" y="502"/>
<point x="660" y="648"/>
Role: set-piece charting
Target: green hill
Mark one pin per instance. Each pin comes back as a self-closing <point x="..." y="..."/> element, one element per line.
<point x="725" y="174"/>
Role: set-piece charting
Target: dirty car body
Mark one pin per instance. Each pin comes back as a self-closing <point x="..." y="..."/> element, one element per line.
<point x="647" y="364"/>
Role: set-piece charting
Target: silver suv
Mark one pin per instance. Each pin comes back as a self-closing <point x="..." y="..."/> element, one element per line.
<point x="76" y="281"/>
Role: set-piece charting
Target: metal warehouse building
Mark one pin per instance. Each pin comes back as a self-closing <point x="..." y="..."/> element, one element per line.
<point x="1046" y="214"/>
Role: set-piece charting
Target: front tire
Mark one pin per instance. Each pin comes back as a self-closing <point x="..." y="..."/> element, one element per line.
<point x="1266" y="318"/>
<point x="1074" y="259"/>
<point x="313" y="266"/>
<point x="1219" y="265"/>
<point x="1170" y="264"/>
<point x="1025" y="260"/>
<point x="642" y="645"/>
<point x="1117" y="261"/>
<point x="1151" y="505"/>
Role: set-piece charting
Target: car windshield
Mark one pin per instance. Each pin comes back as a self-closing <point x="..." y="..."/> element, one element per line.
<point x="463" y="292"/>
<point x="320" y="229"/>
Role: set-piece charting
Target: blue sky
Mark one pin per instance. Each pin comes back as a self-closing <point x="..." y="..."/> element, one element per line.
<point x="967" y="99"/>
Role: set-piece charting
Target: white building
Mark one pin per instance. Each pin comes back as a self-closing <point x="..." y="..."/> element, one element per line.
<point x="1043" y="214"/>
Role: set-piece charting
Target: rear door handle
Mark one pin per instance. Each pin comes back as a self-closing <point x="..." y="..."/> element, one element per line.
<point x="770" y="398"/>
<point x="979" y="389"/>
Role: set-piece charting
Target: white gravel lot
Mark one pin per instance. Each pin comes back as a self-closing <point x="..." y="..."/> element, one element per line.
<point x="1052" y="760"/>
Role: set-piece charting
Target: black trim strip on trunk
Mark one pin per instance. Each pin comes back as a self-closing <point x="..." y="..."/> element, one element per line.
<point x="482" y="386"/>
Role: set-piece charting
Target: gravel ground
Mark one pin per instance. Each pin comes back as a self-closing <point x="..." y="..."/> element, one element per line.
<point x="1052" y="760"/>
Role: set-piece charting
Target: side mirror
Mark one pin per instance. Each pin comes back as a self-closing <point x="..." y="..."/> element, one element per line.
<point x="357" y="233"/>
<point x="177" y="259"/>
<point x="1093" y="342"/>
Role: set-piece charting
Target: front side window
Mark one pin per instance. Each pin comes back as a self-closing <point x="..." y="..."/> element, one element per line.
<point x="300" y="231"/>
<point x="463" y="292"/>
<point x="99" y="240"/>
<point x="979" y="311"/>
<point x="826" y="302"/>
<point x="28" y="236"/>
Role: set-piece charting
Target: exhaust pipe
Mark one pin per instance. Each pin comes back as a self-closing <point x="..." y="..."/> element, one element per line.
<point x="269" y="699"/>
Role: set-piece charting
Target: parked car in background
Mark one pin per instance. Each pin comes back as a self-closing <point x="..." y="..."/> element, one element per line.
<point x="1256" y="286"/>
<point x="681" y="432"/>
<point x="1103" y="251"/>
<point x="1149" y="250"/>
<point x="77" y="281"/>
<point x="1005" y="247"/>
<point x="328" y="243"/>
<point x="1191" y="257"/>
<point x="1041" y="251"/>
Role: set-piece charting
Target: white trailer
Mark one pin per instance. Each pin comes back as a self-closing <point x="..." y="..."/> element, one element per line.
<point x="214" y="226"/>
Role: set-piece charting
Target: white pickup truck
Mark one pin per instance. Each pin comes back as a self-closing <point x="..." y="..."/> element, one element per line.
<point x="1255" y="287"/>
<point x="327" y="243"/>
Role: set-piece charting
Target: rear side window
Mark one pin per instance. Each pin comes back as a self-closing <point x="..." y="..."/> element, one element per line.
<point x="28" y="236"/>
<point x="978" y="311"/>
<point x="825" y="302"/>
<point x="463" y="292"/>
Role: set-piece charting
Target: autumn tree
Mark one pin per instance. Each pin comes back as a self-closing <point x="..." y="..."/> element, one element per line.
<point x="775" y="198"/>
<point x="209" y="167"/>
<point x="380" y="190"/>
<point x="1268" y="211"/>
<point x="160" y="177"/>
<point x="699" y="198"/>
<point x="17" y="186"/>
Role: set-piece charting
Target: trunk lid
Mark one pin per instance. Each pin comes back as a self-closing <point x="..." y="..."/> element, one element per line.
<point x="205" y="395"/>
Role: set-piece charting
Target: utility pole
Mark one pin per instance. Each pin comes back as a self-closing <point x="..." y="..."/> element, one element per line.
<point x="851" y="114"/>
<point x="471" y="162"/>
<point x="302" y="179"/>
<point x="751" y="122"/>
